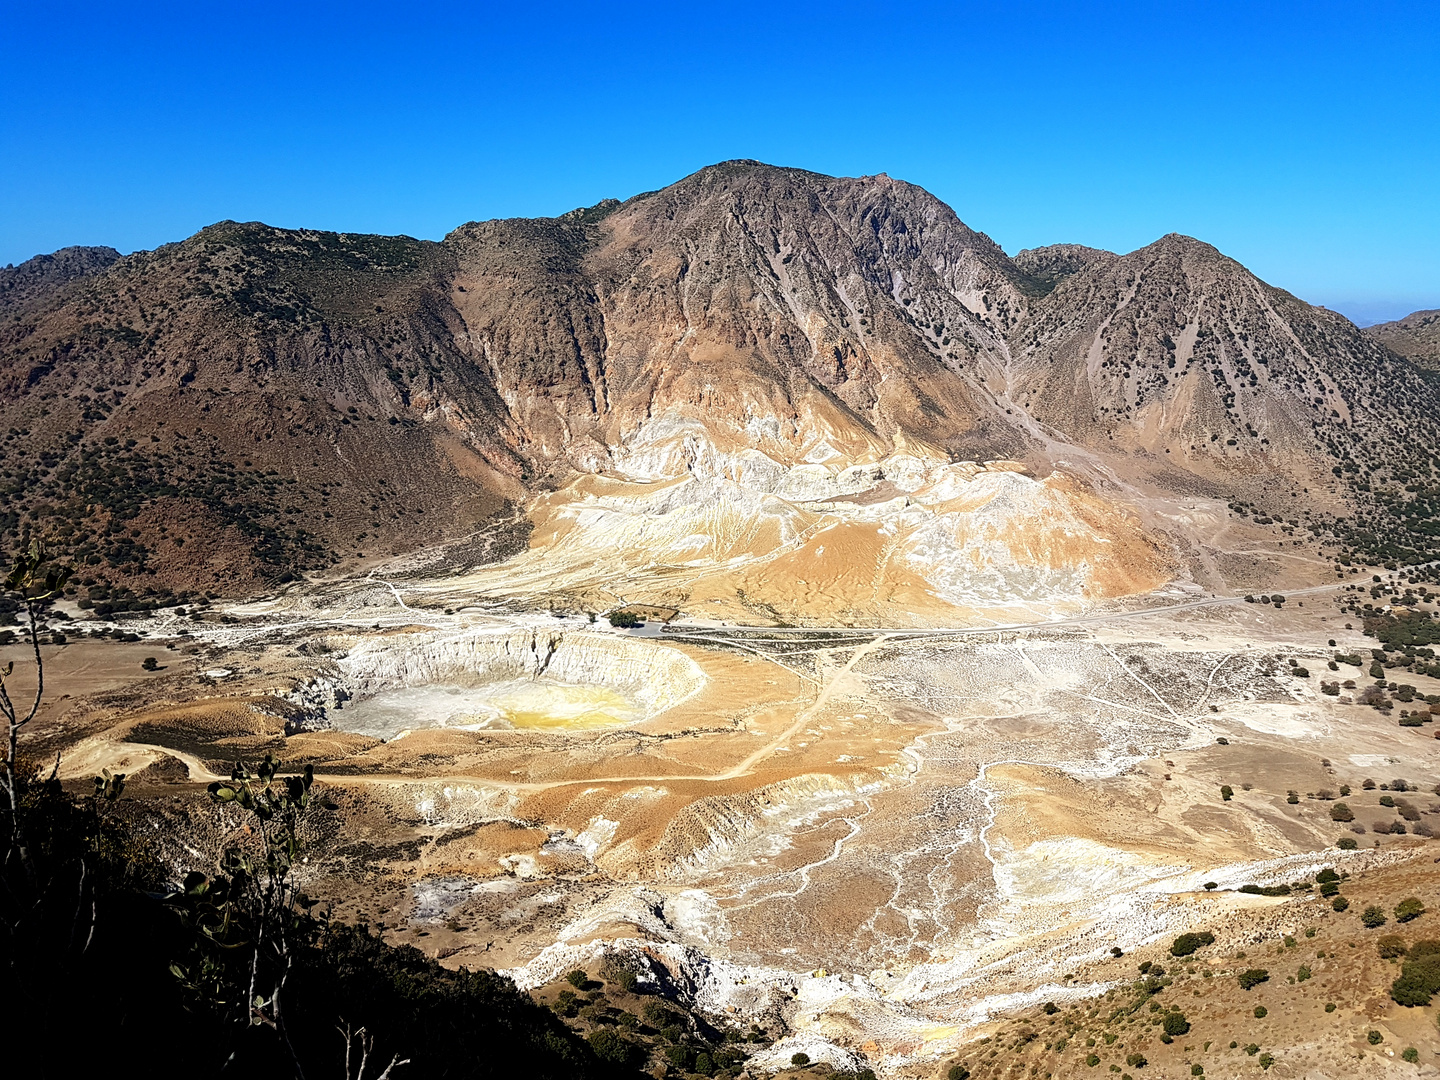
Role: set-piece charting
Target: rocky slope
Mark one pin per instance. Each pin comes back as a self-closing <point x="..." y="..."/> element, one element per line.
<point x="254" y="402"/>
<point x="1415" y="337"/>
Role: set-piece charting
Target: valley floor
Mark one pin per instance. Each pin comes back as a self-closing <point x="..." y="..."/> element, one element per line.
<point x="885" y="845"/>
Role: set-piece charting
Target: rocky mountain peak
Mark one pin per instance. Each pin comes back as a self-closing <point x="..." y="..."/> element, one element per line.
<point x="747" y="312"/>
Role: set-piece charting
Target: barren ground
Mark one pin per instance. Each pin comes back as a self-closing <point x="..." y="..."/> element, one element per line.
<point x="887" y="837"/>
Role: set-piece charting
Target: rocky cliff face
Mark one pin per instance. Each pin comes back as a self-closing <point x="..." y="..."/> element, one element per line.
<point x="255" y="402"/>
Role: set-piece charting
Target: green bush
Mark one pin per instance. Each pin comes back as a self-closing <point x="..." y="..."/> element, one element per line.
<point x="679" y="1056"/>
<point x="1252" y="977"/>
<point x="1410" y="1054"/>
<point x="1136" y="1061"/>
<point x="958" y="1072"/>
<point x="1252" y="1049"/>
<point x="1265" y="890"/>
<point x="1197" y="1069"/>
<point x="1227" y="792"/>
<point x="1346" y="843"/>
<point x="800" y="1059"/>
<point x="1341" y="812"/>
<point x="1408" y="909"/>
<point x="1374" y="1038"/>
<point x="1186" y="944"/>
<point x="1266" y="1060"/>
<point x="610" y="1047"/>
<point x="1092" y="1060"/>
<point x="1390" y="946"/>
<point x="577" y="978"/>
<point x="1339" y="904"/>
<point x="1419" y="980"/>
<point x="1261" y="1012"/>
<point x="1175" y="1024"/>
<point x="1372" y="917"/>
<point x="624" y="620"/>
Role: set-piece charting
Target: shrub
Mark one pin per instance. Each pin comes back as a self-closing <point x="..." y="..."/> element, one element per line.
<point x="1408" y="909"/>
<point x="1266" y="1060"/>
<point x="1374" y="1038"/>
<point x="1386" y="800"/>
<point x="1186" y="944"/>
<point x="958" y="1072"/>
<point x="1410" y="1054"/>
<point x="611" y="1047"/>
<point x="1050" y="1008"/>
<point x="1227" y="792"/>
<point x="679" y="1056"/>
<point x="1252" y="1049"/>
<point x="1372" y="917"/>
<point x="1092" y="1060"/>
<point x="1419" y="980"/>
<point x="1265" y="890"/>
<point x="1341" y="812"/>
<point x="624" y="620"/>
<point x="1175" y="1024"/>
<point x="1329" y="889"/>
<point x="577" y="978"/>
<point x="1340" y="903"/>
<point x="1261" y="1012"/>
<point x="800" y="1059"/>
<point x="1252" y="977"/>
<point x="1346" y="843"/>
<point x="1136" y="1061"/>
<point x="1304" y="973"/>
<point x="1197" y="1069"/>
<point x="1330" y="1006"/>
<point x="1390" y="946"/>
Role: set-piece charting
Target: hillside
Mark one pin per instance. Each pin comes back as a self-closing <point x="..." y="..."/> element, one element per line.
<point x="253" y="403"/>
<point x="1415" y="337"/>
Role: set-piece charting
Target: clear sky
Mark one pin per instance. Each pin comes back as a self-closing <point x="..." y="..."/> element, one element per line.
<point x="1300" y="138"/>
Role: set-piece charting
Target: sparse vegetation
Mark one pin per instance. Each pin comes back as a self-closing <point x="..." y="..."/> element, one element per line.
<point x="1252" y="977"/>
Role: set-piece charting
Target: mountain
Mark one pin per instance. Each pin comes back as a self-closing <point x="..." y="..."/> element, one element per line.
<point x="1415" y="337"/>
<point x="253" y="403"/>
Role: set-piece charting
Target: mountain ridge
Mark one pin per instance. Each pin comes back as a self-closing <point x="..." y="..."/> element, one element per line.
<point x="343" y="395"/>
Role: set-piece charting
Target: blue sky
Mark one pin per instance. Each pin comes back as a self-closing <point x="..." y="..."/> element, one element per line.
<point x="1302" y="139"/>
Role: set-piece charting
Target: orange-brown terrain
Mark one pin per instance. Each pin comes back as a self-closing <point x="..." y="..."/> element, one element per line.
<point x="946" y="683"/>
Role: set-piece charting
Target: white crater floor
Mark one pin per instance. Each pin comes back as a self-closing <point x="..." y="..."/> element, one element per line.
<point x="540" y="704"/>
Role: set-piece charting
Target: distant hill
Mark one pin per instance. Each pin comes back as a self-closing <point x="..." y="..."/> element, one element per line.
<point x="253" y="403"/>
<point x="1415" y="337"/>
